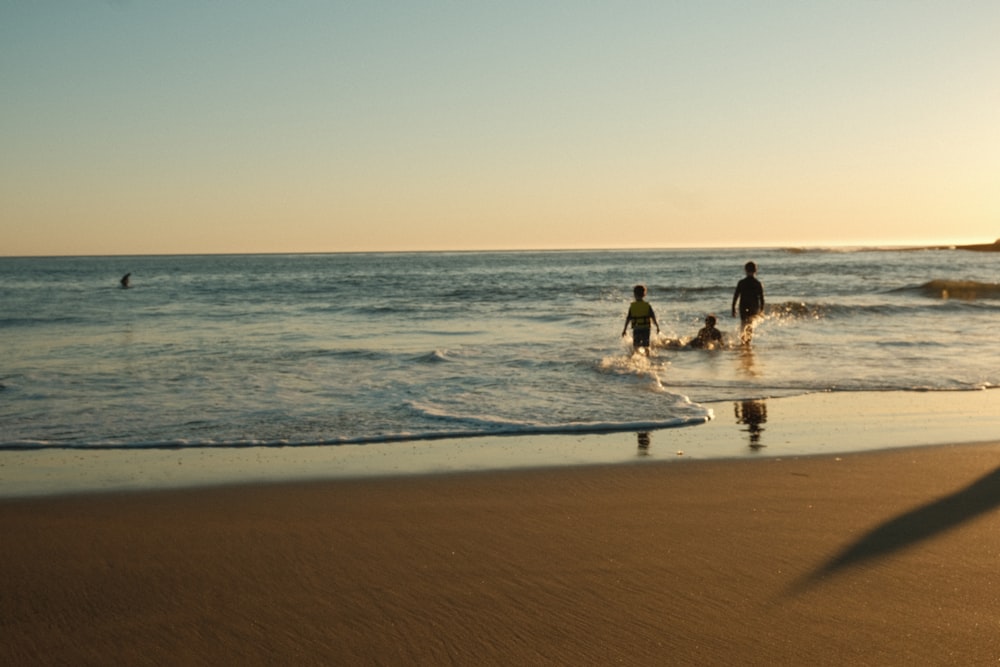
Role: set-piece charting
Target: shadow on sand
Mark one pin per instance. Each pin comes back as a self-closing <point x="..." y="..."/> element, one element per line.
<point x="921" y="523"/>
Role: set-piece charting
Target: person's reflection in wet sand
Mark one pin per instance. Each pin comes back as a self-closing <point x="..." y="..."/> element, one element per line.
<point x="753" y="413"/>
<point x="644" y="440"/>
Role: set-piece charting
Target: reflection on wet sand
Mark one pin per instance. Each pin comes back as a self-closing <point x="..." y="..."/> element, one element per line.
<point x="644" y="440"/>
<point x="753" y="413"/>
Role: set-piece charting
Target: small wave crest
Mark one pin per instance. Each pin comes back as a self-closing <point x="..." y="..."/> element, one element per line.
<point x="634" y="364"/>
<point x="434" y="357"/>
<point x="485" y="426"/>
<point x="796" y="310"/>
<point x="494" y="425"/>
<point x="637" y="366"/>
<point x="965" y="290"/>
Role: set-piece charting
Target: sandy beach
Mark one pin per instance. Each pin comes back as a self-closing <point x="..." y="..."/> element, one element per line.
<point x="464" y="334"/>
<point x="876" y="558"/>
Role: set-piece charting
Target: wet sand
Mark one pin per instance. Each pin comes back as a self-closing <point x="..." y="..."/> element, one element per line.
<point x="825" y="423"/>
<point x="859" y="558"/>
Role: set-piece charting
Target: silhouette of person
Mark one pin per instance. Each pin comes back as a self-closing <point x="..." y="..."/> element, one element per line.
<point x="640" y="315"/>
<point x="750" y="296"/>
<point x="125" y="280"/>
<point x="708" y="337"/>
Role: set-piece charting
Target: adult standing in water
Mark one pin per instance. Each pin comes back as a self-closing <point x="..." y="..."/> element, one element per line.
<point x="750" y="296"/>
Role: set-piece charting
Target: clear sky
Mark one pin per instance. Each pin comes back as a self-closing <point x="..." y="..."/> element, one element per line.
<point x="262" y="126"/>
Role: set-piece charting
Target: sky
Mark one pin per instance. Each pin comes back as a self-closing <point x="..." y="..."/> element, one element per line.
<point x="218" y="126"/>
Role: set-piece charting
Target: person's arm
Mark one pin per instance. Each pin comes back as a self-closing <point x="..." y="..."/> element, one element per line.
<point x="628" y="318"/>
<point x="652" y="318"/>
<point x="736" y="296"/>
<point x="760" y="288"/>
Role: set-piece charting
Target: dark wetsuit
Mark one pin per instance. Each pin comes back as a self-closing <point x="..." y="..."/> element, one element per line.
<point x="750" y="294"/>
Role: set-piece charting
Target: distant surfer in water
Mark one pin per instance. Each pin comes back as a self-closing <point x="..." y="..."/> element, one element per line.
<point x="750" y="296"/>
<point x="640" y="315"/>
<point x="708" y="337"/>
<point x="125" y="280"/>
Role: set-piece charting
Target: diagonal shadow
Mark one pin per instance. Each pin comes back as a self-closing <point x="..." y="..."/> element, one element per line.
<point x="917" y="525"/>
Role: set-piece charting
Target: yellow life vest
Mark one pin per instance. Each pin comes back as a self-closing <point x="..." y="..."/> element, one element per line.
<point x="639" y="311"/>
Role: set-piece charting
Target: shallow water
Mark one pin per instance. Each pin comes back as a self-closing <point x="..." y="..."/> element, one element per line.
<point x="358" y="348"/>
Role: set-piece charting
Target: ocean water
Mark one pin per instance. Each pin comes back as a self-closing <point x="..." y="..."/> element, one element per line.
<point x="268" y="350"/>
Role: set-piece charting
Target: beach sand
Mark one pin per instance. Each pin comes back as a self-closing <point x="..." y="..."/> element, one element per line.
<point x="879" y="558"/>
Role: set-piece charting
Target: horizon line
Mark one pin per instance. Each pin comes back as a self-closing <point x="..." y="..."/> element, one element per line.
<point x="818" y="246"/>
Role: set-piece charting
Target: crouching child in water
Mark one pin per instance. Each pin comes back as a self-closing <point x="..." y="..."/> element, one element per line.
<point x="640" y="315"/>
<point x="708" y="337"/>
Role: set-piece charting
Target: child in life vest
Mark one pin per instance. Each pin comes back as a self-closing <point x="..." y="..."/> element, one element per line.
<point x="640" y="315"/>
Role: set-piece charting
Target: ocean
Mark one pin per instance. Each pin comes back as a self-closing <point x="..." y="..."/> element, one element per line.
<point x="332" y="349"/>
